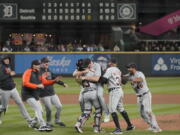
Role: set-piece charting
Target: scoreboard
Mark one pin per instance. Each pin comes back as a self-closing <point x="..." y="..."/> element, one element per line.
<point x="67" y="11"/>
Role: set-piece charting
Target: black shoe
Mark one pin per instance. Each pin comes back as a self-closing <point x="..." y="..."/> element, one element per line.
<point x="61" y="124"/>
<point x="129" y="128"/>
<point x="45" y="128"/>
<point x="49" y="125"/>
<point x="117" y="131"/>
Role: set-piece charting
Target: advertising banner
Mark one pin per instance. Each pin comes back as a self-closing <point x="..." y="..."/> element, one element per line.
<point x="166" y="64"/>
<point x="59" y="63"/>
<point x="162" y="25"/>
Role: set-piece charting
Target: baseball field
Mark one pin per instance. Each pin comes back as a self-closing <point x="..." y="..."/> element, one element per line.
<point x="166" y="106"/>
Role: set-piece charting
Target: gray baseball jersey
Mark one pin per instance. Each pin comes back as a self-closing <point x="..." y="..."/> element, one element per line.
<point x="144" y="99"/>
<point x="139" y="87"/>
<point x="113" y="74"/>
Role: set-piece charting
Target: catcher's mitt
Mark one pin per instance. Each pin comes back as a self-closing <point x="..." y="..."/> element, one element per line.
<point x="124" y="79"/>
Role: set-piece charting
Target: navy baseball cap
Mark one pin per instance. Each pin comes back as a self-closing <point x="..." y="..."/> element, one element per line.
<point x="86" y="62"/>
<point x="45" y="60"/>
<point x="131" y="65"/>
<point x="35" y="62"/>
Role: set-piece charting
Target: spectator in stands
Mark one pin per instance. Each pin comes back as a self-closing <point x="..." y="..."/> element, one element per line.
<point x="7" y="49"/>
<point x="100" y="47"/>
<point x="69" y="47"/>
<point x="27" y="49"/>
<point x="116" y="48"/>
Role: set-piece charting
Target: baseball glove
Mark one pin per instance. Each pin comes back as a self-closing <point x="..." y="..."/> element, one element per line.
<point x="124" y="79"/>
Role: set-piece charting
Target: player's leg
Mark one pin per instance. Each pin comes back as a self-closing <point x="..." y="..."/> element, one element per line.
<point x="120" y="108"/>
<point x="114" y="97"/>
<point x="5" y="95"/>
<point x="15" y="95"/>
<point x="85" y="114"/>
<point x="57" y="103"/>
<point x="100" y="94"/>
<point x="81" y="102"/>
<point x="148" y="112"/>
<point x="98" y="114"/>
<point x="0" y="108"/>
<point x="47" y="104"/>
<point x="38" y="111"/>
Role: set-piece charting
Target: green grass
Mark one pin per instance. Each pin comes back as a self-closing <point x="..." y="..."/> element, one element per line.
<point x="14" y="124"/>
<point x="162" y="85"/>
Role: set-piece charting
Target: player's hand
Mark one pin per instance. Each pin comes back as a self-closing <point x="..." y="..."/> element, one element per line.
<point x="41" y="86"/>
<point x="86" y="71"/>
<point x="65" y="85"/>
<point x="58" y="78"/>
<point x="12" y="73"/>
<point x="82" y="77"/>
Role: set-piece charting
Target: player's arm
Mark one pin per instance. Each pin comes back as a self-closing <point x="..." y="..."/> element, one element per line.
<point x="137" y="79"/>
<point x="99" y="79"/>
<point x="80" y="73"/>
<point x="60" y="82"/>
<point x="26" y="80"/>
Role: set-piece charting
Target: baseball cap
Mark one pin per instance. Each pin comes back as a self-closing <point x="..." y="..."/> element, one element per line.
<point x="131" y="65"/>
<point x="45" y="60"/>
<point x="3" y="57"/>
<point x="86" y="62"/>
<point x="35" y="62"/>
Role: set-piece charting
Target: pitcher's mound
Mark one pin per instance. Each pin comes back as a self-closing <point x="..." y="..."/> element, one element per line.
<point x="166" y="122"/>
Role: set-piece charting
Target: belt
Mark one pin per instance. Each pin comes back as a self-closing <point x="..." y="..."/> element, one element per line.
<point x="111" y="89"/>
<point x="143" y="94"/>
<point x="87" y="91"/>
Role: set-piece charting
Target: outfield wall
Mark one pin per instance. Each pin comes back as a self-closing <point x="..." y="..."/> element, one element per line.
<point x="152" y="64"/>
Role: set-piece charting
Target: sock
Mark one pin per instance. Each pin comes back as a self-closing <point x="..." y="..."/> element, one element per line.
<point x="126" y="118"/>
<point x="115" y="119"/>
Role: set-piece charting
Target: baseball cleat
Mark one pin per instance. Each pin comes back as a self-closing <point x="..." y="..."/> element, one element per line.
<point x="157" y="130"/>
<point x="49" y="125"/>
<point x="117" y="131"/>
<point x="78" y="129"/>
<point x="106" y="118"/>
<point x="61" y="124"/>
<point x="129" y="128"/>
<point x="33" y="123"/>
<point x="45" y="128"/>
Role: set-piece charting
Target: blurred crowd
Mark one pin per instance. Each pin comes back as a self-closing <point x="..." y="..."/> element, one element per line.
<point x="158" y="45"/>
<point x="46" y="43"/>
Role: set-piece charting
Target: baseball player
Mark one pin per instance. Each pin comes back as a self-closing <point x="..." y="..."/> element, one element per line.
<point x="8" y="89"/>
<point x="33" y="83"/>
<point x="89" y="97"/>
<point x="48" y="96"/>
<point x="139" y="84"/>
<point x="97" y="69"/>
<point x="112" y="77"/>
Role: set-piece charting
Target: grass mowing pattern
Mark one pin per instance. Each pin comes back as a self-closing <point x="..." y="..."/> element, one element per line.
<point x="162" y="85"/>
<point x="14" y="124"/>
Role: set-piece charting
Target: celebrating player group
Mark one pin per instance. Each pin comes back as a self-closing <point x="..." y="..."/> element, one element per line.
<point x="37" y="90"/>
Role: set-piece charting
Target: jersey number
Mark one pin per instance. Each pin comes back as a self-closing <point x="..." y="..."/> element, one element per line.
<point x="85" y="83"/>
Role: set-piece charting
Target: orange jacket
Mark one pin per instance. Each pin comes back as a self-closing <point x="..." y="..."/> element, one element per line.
<point x="30" y="82"/>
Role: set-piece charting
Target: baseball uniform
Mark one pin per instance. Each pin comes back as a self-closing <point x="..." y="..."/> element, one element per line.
<point x="89" y="97"/>
<point x="49" y="98"/>
<point x="143" y="99"/>
<point x="113" y="76"/>
<point x="8" y="90"/>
